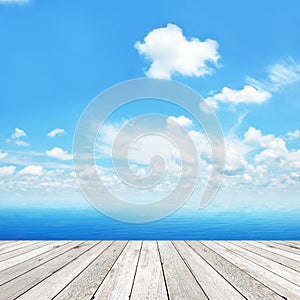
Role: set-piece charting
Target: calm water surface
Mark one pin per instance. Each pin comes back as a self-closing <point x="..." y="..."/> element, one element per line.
<point x="90" y="224"/>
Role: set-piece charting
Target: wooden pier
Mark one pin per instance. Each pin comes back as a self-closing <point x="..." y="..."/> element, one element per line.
<point x="140" y="270"/>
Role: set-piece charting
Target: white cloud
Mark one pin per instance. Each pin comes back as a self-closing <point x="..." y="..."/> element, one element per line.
<point x="276" y="149"/>
<point x="16" y="137"/>
<point x="7" y="170"/>
<point x="3" y="155"/>
<point x="14" y="1"/>
<point x="247" y="95"/>
<point x="182" y="120"/>
<point x="255" y="136"/>
<point x="273" y="151"/>
<point x="293" y="135"/>
<point x="18" y="134"/>
<point x="58" y="153"/>
<point x="32" y="170"/>
<point x="279" y="76"/>
<point x="236" y="150"/>
<point x="171" y="52"/>
<point x="55" y="132"/>
<point x="21" y="143"/>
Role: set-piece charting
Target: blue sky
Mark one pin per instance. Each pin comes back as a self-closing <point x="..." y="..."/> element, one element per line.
<point x="56" y="56"/>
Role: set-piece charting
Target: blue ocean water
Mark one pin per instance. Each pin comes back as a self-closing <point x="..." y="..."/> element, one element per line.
<point x="32" y="224"/>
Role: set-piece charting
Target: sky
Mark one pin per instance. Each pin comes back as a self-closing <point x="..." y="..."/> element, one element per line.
<point x="242" y="57"/>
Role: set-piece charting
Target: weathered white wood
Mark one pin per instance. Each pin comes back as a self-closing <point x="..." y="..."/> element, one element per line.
<point x="280" y="285"/>
<point x="17" y="245"/>
<point x="6" y="244"/>
<point x="191" y="270"/>
<point x="277" y="250"/>
<point x="266" y="263"/>
<point x="3" y="244"/>
<point x="249" y="287"/>
<point x="213" y="284"/>
<point x="25" y="282"/>
<point x="289" y="242"/>
<point x="23" y="267"/>
<point x="291" y="263"/>
<point x="23" y="250"/>
<point x="292" y="244"/>
<point x="86" y="283"/>
<point x="52" y="285"/>
<point x="149" y="281"/>
<point x="283" y="247"/>
<point x="118" y="282"/>
<point x="18" y="259"/>
<point x="181" y="284"/>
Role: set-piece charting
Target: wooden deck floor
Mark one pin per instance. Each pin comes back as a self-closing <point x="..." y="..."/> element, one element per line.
<point x="140" y="270"/>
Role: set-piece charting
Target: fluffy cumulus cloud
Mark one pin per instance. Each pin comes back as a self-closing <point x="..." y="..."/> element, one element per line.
<point x="171" y="53"/>
<point x="254" y="162"/>
<point x="32" y="170"/>
<point x="17" y="136"/>
<point x="255" y="137"/>
<point x="272" y="152"/>
<point x="58" y="153"/>
<point x="182" y="120"/>
<point x="3" y="155"/>
<point x="7" y="170"/>
<point x="248" y="94"/>
<point x="56" y="132"/>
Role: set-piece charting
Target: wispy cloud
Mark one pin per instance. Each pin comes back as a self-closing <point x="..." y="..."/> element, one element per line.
<point x="56" y="132"/>
<point x="171" y="52"/>
<point x="279" y="76"/>
<point x="14" y="1"/>
<point x="293" y="135"/>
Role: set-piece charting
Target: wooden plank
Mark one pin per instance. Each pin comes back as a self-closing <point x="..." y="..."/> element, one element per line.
<point x="86" y="283"/>
<point x="21" y="268"/>
<point x="283" y="247"/>
<point x="288" y="244"/>
<point x="149" y="281"/>
<point x="6" y="244"/>
<point x="213" y="284"/>
<point x="280" y="285"/>
<point x="118" y="282"/>
<point x="283" y="271"/>
<point x="249" y="287"/>
<point x="25" y="282"/>
<point x="52" y="286"/>
<point x="248" y="245"/>
<point x="18" y="245"/>
<point x="22" y="250"/>
<point x="276" y="250"/>
<point x="181" y="284"/>
<point x="18" y="259"/>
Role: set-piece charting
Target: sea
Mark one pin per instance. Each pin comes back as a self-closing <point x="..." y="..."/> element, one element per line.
<point x="89" y="224"/>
